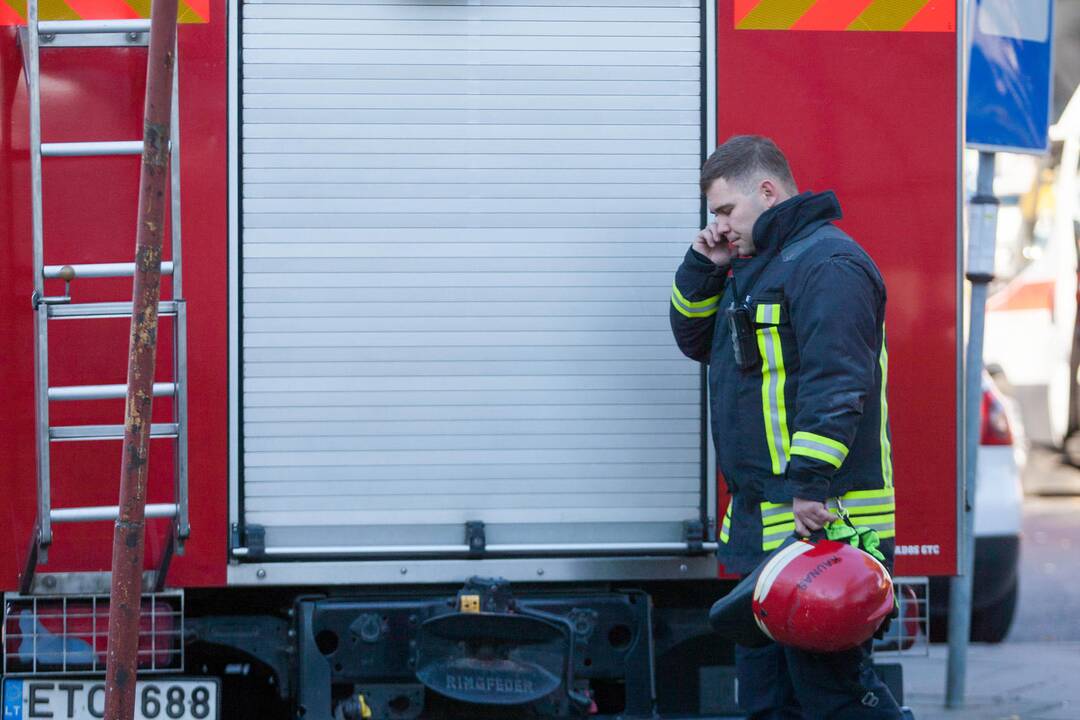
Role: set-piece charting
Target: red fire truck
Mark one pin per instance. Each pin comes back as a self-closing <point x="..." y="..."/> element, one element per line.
<point x="414" y="359"/>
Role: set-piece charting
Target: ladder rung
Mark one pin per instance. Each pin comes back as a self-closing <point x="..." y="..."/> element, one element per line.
<point x="105" y="310"/>
<point x="95" y="40"/>
<point x="86" y="149"/>
<point x="107" y="512"/>
<point x="84" y="27"/>
<point x="107" y="432"/>
<point x="100" y="270"/>
<point x="104" y="392"/>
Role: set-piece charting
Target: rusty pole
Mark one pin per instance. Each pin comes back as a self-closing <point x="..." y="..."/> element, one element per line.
<point x="128" y="538"/>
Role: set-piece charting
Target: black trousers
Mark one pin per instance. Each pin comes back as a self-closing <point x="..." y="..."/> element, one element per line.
<point x="782" y="683"/>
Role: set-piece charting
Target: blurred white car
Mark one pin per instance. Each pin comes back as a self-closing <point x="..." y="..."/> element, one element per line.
<point x="998" y="515"/>
<point x="1032" y="323"/>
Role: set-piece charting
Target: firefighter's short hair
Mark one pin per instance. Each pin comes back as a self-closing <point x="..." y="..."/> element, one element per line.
<point x="743" y="160"/>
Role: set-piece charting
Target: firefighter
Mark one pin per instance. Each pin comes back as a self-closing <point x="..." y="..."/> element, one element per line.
<point x="788" y="313"/>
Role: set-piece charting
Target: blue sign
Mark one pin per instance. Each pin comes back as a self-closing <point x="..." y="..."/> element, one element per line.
<point x="1008" y="99"/>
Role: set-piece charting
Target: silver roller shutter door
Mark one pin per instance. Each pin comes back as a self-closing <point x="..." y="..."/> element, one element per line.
<point x="460" y="221"/>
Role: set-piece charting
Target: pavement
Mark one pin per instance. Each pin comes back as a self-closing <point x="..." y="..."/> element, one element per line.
<point x="1047" y="610"/>
<point x="1010" y="681"/>
<point x="1035" y="673"/>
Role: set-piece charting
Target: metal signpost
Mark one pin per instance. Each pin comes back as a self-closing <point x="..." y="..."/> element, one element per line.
<point x="1008" y="109"/>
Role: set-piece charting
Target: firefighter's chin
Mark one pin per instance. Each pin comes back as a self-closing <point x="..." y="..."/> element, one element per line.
<point x="741" y="248"/>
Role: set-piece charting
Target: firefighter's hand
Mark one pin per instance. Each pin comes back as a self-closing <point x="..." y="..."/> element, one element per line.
<point x="710" y="243"/>
<point x="810" y="515"/>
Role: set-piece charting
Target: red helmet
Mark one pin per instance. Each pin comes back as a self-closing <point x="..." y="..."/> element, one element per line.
<point x="822" y="596"/>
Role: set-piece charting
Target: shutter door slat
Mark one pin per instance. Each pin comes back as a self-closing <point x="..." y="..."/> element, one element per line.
<point x="420" y="220"/>
<point x="596" y="58"/>
<point x="448" y="370"/>
<point x="473" y="131"/>
<point x="478" y="102"/>
<point x="662" y="473"/>
<point x="452" y="310"/>
<point x="407" y="17"/>
<point x="337" y="353"/>
<point x="472" y="72"/>
<point x="534" y="192"/>
<point x="442" y="237"/>
<point x="462" y="46"/>
<point x="477" y="161"/>
<point x="562" y="485"/>
<point x="445" y="401"/>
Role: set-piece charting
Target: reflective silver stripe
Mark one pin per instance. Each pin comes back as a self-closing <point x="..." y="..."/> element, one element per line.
<point x="772" y="512"/>
<point x="836" y="455"/>
<point x="711" y="307"/>
<point x="773" y="536"/>
<point x="881" y="527"/>
<point x="768" y="314"/>
<point x="855" y="502"/>
<point x="725" y="527"/>
<point x="847" y="502"/>
<point x="777" y="522"/>
<point x="772" y="401"/>
<point x="876" y="512"/>
<point x="783" y="520"/>
<point x="866" y="508"/>
<point x="886" y="446"/>
<point x="780" y="530"/>
<point x="699" y="308"/>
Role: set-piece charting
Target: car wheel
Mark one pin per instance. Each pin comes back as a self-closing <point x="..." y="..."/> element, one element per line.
<point x="1072" y="449"/>
<point x="992" y="624"/>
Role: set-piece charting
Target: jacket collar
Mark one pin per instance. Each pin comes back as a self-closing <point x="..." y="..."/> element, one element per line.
<point x="794" y="219"/>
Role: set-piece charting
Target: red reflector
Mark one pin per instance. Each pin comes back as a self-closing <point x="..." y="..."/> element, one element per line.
<point x="995" y="422"/>
<point x="72" y="635"/>
<point x="910" y="604"/>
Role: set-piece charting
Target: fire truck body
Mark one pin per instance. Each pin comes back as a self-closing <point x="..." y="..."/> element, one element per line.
<point x="427" y="252"/>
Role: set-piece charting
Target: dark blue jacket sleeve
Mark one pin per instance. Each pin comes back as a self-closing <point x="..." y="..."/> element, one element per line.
<point x="695" y="299"/>
<point x="836" y="315"/>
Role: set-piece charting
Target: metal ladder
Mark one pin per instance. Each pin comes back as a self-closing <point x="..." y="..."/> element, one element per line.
<point x="96" y="33"/>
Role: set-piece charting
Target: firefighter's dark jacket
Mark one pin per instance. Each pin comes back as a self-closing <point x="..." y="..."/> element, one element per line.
<point x="809" y="419"/>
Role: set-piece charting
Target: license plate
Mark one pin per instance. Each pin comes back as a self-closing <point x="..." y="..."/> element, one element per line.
<point x="80" y="699"/>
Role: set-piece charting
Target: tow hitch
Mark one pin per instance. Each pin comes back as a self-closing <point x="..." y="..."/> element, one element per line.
<point x="494" y="652"/>
<point x="482" y="652"/>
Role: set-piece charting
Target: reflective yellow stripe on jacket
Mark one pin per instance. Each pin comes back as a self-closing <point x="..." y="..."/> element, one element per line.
<point x="875" y="509"/>
<point x="777" y="523"/>
<point x="773" y="378"/>
<point x="694" y="309"/>
<point x="886" y="446"/>
<point x="819" y="447"/>
<point x="725" y="527"/>
<point x="767" y="313"/>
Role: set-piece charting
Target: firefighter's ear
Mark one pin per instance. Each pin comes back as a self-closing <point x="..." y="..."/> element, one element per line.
<point x="769" y="193"/>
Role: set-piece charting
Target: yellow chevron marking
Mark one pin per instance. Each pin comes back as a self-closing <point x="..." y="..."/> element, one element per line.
<point x="887" y="15"/>
<point x="775" y="14"/>
<point x="60" y="10"/>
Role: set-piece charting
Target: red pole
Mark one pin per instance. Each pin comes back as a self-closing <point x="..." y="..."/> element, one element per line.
<point x="128" y="538"/>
